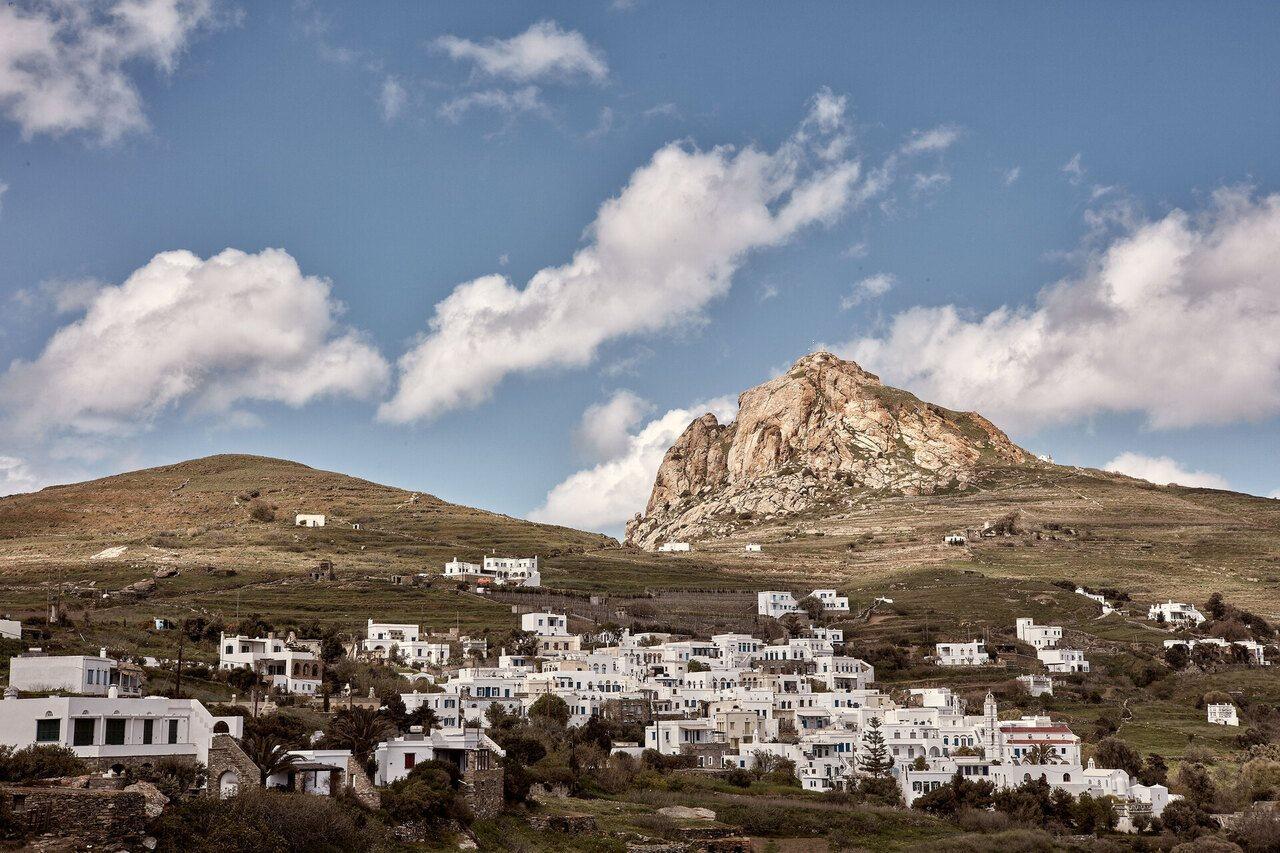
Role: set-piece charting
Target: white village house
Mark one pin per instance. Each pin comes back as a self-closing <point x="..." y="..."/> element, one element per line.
<point x="304" y="519"/>
<point x="973" y="653"/>
<point x="1175" y="613"/>
<point x="671" y="547"/>
<point x="501" y="571"/>
<point x="86" y="675"/>
<point x="404" y="642"/>
<point x="285" y="668"/>
<point x="778" y="603"/>
<point x="105" y="728"/>
<point x="1222" y="714"/>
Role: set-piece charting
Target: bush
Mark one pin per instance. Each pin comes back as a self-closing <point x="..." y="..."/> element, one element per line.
<point x="262" y="512"/>
<point x="427" y="797"/>
<point x="40" y="761"/>
<point x="256" y="820"/>
<point x="1257" y="830"/>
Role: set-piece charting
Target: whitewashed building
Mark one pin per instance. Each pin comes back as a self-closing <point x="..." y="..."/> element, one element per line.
<point x="306" y="519"/>
<point x="501" y="571"/>
<point x="1063" y="660"/>
<point x="1175" y="613"/>
<point x="753" y="548"/>
<point x="1040" y="636"/>
<point x="285" y="668"/>
<point x="109" y="727"/>
<point x="672" y="547"/>
<point x="973" y="653"/>
<point x="1222" y="714"/>
<point x="10" y="629"/>
<point x="404" y="642"/>
<point x="465" y="748"/>
<point x="87" y="675"/>
<point x="1037" y="685"/>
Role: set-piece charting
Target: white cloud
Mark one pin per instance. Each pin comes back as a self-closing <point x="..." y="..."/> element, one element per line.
<point x="1177" y="319"/>
<point x="605" y="428"/>
<point x="935" y="139"/>
<point x="926" y="183"/>
<point x="768" y="291"/>
<point x="1162" y="471"/>
<point x="392" y="98"/>
<point x="4" y="188"/>
<point x="604" y="124"/>
<point x="204" y="333"/>
<point x="1011" y="176"/>
<point x="1074" y="169"/>
<point x="663" y="110"/>
<point x="16" y="476"/>
<point x="63" y="65"/>
<point x="526" y="100"/>
<point x="868" y="288"/>
<point x="606" y="495"/>
<point x="664" y="247"/>
<point x="542" y="52"/>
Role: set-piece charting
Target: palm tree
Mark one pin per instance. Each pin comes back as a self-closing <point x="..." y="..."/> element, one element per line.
<point x="426" y="718"/>
<point x="359" y="730"/>
<point x="269" y="752"/>
<point x="1041" y="753"/>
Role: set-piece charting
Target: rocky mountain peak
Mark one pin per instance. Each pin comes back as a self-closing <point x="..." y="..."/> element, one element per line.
<point x="824" y="428"/>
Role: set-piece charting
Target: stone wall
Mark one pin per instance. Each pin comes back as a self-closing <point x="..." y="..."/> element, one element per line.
<point x="484" y="791"/>
<point x="226" y="755"/>
<point x="86" y="816"/>
<point x="361" y="785"/>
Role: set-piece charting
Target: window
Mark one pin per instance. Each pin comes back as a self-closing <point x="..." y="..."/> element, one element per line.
<point x="115" y="732"/>
<point x="48" y="731"/>
<point x="148" y="731"/>
<point x="410" y="759"/>
<point x="82" y="733"/>
<point x="173" y="731"/>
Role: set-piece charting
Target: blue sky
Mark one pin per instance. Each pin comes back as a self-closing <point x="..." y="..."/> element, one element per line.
<point x="1062" y="215"/>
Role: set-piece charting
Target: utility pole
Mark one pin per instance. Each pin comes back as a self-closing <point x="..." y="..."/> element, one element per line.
<point x="177" y="678"/>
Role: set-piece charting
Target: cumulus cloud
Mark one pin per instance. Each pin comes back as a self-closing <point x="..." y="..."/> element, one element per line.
<point x="16" y="476"/>
<point x="1011" y="176"/>
<point x="1176" y="318"/>
<point x="868" y="288"/>
<point x="542" y="52"/>
<point x="657" y="254"/>
<point x="526" y="100"/>
<point x="606" y="495"/>
<point x="1163" y="470"/>
<point x="206" y="334"/>
<point x="605" y="428"/>
<point x="64" y="65"/>
<point x="392" y="98"/>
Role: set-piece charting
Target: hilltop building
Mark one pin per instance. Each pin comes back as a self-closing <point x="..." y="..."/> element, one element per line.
<point x="500" y="571"/>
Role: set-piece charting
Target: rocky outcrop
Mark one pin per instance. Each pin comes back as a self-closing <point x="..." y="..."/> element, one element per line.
<point x="824" y="428"/>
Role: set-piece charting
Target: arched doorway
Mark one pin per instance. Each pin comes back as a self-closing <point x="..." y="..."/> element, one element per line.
<point x="221" y="728"/>
<point x="228" y="784"/>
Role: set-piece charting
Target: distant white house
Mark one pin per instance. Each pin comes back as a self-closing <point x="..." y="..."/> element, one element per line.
<point x="1037" y="685"/>
<point x="1093" y="596"/>
<point x="973" y="653"/>
<point x="668" y="547"/>
<point x="552" y="631"/>
<point x="501" y="571"/>
<point x="1040" y="636"/>
<point x="753" y="548"/>
<point x="1175" y="613"/>
<point x="1223" y="714"/>
<point x="303" y="519"/>
<point x="1063" y="660"/>
<point x="468" y="749"/>
<point x="955" y="539"/>
<point x="778" y="603"/>
<point x="86" y="675"/>
<point x="1257" y="653"/>
<point x="10" y="629"/>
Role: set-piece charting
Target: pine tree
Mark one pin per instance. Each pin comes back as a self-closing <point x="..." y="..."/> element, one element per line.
<point x="875" y="759"/>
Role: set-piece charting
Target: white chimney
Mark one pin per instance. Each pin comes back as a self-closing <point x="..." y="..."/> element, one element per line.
<point x="102" y="652"/>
